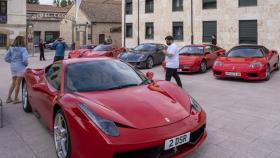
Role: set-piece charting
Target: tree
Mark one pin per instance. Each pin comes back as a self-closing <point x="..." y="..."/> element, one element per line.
<point x="63" y="3"/>
<point x="32" y="1"/>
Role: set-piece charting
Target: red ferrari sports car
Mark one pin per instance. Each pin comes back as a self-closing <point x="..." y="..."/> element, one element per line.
<point x="99" y="51"/>
<point x="198" y="57"/>
<point x="249" y="62"/>
<point x="104" y="108"/>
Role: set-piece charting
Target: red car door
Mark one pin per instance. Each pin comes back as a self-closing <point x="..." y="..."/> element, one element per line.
<point x="47" y="91"/>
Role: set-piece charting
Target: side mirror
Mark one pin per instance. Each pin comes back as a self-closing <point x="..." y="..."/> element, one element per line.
<point x="150" y="75"/>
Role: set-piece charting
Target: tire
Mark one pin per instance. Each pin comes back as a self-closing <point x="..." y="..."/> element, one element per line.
<point x="203" y="66"/>
<point x="268" y="73"/>
<point x="25" y="101"/>
<point x="150" y="63"/>
<point x="61" y="136"/>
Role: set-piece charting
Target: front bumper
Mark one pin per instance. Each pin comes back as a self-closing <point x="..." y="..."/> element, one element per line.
<point x="90" y="142"/>
<point x="187" y="68"/>
<point x="246" y="73"/>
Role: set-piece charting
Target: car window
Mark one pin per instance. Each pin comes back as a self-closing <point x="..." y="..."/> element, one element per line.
<point x="191" y="50"/>
<point x="103" y="48"/>
<point x="53" y="75"/>
<point x="101" y="75"/>
<point x="146" y="47"/>
<point x="245" y="53"/>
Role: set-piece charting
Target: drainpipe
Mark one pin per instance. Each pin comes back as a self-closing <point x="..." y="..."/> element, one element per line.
<point x="124" y="24"/>
<point x="138" y="12"/>
<point x="192" y="37"/>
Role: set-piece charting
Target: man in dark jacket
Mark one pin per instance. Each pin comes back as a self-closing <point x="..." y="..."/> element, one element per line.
<point x="41" y="48"/>
<point x="214" y="40"/>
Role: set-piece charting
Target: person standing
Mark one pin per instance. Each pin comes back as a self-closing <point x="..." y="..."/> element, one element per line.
<point x="214" y="40"/>
<point x="172" y="60"/>
<point x="42" y="52"/>
<point x="59" y="46"/>
<point x="17" y="56"/>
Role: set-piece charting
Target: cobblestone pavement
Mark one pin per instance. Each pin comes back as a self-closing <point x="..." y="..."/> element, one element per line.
<point x="243" y="118"/>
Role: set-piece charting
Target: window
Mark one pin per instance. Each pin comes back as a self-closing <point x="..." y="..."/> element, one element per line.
<point x="149" y="30"/>
<point x="248" y="32"/>
<point x="209" y="29"/>
<point x="178" y="31"/>
<point x="244" y="3"/>
<point x="128" y="6"/>
<point x="53" y="76"/>
<point x="3" y="12"/>
<point x="3" y="40"/>
<point x="209" y="4"/>
<point x="128" y="30"/>
<point x="177" y="5"/>
<point x="149" y="7"/>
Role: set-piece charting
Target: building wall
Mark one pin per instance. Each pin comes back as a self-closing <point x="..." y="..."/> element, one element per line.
<point x="66" y="27"/>
<point x="104" y="28"/>
<point x="227" y="15"/>
<point x="44" y="26"/>
<point x="95" y="29"/>
<point x="16" y="22"/>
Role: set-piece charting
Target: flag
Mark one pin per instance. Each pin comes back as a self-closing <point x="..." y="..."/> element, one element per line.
<point x="77" y="4"/>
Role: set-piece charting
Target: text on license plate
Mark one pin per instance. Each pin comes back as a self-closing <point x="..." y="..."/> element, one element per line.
<point x="235" y="74"/>
<point x="177" y="141"/>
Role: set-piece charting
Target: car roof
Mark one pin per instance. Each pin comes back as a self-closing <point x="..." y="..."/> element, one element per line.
<point x="80" y="60"/>
<point x="200" y="45"/>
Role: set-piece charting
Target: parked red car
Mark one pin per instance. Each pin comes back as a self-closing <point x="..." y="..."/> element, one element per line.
<point x="249" y="62"/>
<point x="198" y="57"/>
<point x="99" y="51"/>
<point x="95" y="108"/>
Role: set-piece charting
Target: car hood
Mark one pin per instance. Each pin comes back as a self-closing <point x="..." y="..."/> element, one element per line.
<point x="133" y="55"/>
<point x="190" y="59"/>
<point x="141" y="107"/>
<point x="77" y="53"/>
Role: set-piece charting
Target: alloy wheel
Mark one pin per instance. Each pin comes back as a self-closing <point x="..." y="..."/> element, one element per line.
<point x="150" y="63"/>
<point x="61" y="137"/>
<point x="203" y="66"/>
<point x="268" y="73"/>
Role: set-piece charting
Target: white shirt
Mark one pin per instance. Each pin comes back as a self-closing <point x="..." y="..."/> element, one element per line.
<point x="172" y="61"/>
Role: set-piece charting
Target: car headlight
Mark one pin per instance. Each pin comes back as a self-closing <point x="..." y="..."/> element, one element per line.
<point x="142" y="57"/>
<point x="256" y="65"/>
<point x="218" y="63"/>
<point x="194" y="104"/>
<point x="108" y="127"/>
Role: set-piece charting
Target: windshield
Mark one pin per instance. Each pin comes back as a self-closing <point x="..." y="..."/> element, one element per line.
<point x="102" y="48"/>
<point x="101" y="75"/>
<point x="245" y="53"/>
<point x="191" y="50"/>
<point x="145" y="47"/>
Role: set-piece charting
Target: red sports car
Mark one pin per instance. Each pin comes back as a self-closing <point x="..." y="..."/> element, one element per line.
<point x="198" y="57"/>
<point x="249" y="62"/>
<point x="99" y="51"/>
<point x="104" y="108"/>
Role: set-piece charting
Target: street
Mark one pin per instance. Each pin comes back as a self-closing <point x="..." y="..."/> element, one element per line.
<point x="243" y="117"/>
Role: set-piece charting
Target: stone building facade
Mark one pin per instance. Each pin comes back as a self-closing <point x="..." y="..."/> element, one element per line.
<point x="44" y="21"/>
<point x="12" y="20"/>
<point x="232" y="21"/>
<point x="97" y="20"/>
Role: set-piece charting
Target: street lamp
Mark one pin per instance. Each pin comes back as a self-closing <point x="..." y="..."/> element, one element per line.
<point x="192" y="22"/>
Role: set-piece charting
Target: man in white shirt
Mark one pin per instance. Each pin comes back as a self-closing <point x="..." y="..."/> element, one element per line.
<point x="172" y="60"/>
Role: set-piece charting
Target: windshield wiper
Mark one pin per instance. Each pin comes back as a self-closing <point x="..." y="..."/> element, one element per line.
<point x="144" y="82"/>
<point x="123" y="86"/>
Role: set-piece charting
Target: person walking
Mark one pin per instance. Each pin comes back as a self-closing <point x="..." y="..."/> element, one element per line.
<point x="213" y="40"/>
<point x="17" y="56"/>
<point x="59" y="46"/>
<point x="42" y="52"/>
<point x="172" y="60"/>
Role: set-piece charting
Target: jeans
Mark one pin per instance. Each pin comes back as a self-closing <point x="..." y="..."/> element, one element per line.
<point x="58" y="58"/>
<point x="173" y="72"/>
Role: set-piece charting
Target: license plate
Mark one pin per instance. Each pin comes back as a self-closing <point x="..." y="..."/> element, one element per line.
<point x="234" y="74"/>
<point x="177" y="141"/>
